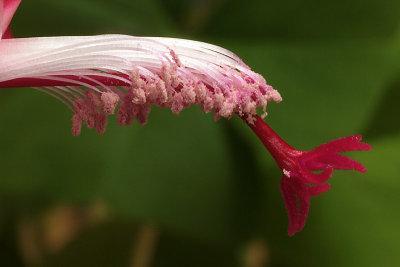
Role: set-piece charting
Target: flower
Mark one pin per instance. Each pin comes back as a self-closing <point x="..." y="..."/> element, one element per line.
<point x="95" y="76"/>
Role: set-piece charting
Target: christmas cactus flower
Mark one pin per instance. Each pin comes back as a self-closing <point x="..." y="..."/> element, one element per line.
<point x="96" y="76"/>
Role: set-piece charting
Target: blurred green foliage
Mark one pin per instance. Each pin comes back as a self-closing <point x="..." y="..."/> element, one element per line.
<point x="211" y="187"/>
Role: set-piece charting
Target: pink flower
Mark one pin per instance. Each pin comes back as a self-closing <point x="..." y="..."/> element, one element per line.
<point x="95" y="76"/>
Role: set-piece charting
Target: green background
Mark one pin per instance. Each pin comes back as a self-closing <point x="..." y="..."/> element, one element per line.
<point x="210" y="189"/>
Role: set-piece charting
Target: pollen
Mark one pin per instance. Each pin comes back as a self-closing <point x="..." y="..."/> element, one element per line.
<point x="286" y="173"/>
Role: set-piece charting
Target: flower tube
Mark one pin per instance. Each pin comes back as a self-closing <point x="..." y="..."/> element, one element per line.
<point x="96" y="76"/>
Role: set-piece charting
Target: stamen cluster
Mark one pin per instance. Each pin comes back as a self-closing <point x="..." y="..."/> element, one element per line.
<point x="136" y="72"/>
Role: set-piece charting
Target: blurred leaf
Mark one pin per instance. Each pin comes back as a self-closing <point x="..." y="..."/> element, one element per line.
<point x="175" y="170"/>
<point x="108" y="244"/>
<point x="248" y="188"/>
<point x="192" y="16"/>
<point x="115" y="243"/>
<point x="175" y="250"/>
<point x="313" y="19"/>
<point x="382" y="122"/>
<point x="89" y="17"/>
<point x="9" y="250"/>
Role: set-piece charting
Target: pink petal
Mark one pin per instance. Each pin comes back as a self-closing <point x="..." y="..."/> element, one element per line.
<point x="297" y="201"/>
<point x="314" y="165"/>
<point x="318" y="189"/>
<point x="7" y="34"/>
<point x="7" y="10"/>
<point x="324" y="158"/>
<point x="349" y="143"/>
<point x="296" y="195"/>
<point x="341" y="162"/>
<point x="289" y="197"/>
<point x="315" y="178"/>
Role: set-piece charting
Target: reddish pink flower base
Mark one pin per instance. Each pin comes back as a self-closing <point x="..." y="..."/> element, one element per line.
<point x="304" y="172"/>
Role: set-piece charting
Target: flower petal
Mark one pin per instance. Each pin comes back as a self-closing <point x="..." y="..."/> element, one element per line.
<point x="349" y="143"/>
<point x="7" y="10"/>
<point x="318" y="189"/>
<point x="297" y="201"/>
<point x="341" y="162"/>
<point x="315" y="178"/>
<point x="324" y="158"/>
<point x="289" y="197"/>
